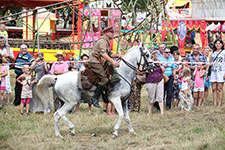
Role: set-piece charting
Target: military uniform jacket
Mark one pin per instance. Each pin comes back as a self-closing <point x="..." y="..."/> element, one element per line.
<point x="101" y="47"/>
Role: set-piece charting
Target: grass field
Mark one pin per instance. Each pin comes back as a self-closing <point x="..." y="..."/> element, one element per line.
<point x="199" y="129"/>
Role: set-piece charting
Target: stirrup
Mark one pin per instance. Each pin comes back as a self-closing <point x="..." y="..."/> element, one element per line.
<point x="97" y="105"/>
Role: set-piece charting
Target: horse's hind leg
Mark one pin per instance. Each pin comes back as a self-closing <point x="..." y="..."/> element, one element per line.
<point x="56" y="124"/>
<point x="127" y="118"/>
<point x="69" y="106"/>
<point x="117" y="103"/>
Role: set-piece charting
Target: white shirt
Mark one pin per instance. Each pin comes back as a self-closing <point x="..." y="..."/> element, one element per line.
<point x="4" y="51"/>
<point x="219" y="63"/>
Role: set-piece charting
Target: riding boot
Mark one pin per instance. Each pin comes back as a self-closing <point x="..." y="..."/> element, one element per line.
<point x="97" y="94"/>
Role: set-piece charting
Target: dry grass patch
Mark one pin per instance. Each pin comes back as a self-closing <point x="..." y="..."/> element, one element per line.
<point x="198" y="129"/>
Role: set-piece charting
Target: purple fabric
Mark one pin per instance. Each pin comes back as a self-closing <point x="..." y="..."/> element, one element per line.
<point x="155" y="76"/>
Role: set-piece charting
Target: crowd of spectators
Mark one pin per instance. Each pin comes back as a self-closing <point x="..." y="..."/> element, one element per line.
<point x="179" y="81"/>
<point x="175" y="78"/>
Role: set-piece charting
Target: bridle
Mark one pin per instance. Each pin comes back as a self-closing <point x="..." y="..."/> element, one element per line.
<point x="146" y="67"/>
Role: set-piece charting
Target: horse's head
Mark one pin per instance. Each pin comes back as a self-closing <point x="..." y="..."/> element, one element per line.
<point x="145" y="60"/>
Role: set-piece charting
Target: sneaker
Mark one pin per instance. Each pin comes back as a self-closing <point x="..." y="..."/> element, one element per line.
<point x="104" y="112"/>
<point x="109" y="114"/>
<point x="113" y="114"/>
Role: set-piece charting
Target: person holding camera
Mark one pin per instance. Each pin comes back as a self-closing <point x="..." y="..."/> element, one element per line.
<point x="40" y="67"/>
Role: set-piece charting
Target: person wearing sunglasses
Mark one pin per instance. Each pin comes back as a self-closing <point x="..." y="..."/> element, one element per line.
<point x="168" y="63"/>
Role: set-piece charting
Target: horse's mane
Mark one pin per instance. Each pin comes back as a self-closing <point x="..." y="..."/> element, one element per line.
<point x="131" y="49"/>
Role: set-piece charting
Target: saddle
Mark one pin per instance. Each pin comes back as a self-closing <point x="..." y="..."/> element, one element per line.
<point x="87" y="78"/>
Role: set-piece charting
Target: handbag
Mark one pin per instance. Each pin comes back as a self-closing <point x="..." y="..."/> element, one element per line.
<point x="166" y="78"/>
<point x="210" y="67"/>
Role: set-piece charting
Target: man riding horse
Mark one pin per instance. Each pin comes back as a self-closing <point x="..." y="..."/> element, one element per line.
<point x="101" y="55"/>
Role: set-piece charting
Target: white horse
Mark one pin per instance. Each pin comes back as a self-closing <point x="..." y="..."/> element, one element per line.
<point x="67" y="89"/>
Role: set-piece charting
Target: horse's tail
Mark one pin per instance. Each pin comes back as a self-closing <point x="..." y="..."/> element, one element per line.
<point x="43" y="90"/>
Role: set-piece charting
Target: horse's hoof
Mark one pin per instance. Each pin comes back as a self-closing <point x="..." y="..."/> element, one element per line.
<point x="72" y="131"/>
<point x="115" y="134"/>
<point x="133" y="133"/>
<point x="46" y="111"/>
<point x="60" y="136"/>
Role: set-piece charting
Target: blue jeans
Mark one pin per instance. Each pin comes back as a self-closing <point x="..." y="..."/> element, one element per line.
<point x="168" y="92"/>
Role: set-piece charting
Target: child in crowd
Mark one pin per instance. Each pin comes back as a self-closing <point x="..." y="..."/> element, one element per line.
<point x="207" y="84"/>
<point x="26" y="94"/>
<point x="4" y="73"/>
<point x="199" y="84"/>
<point x="111" y="109"/>
<point x="186" y="100"/>
<point x="180" y="75"/>
<point x="186" y="82"/>
<point x="178" y="66"/>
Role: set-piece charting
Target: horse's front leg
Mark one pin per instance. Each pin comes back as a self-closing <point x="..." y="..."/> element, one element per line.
<point x="117" y="103"/>
<point x="127" y="118"/>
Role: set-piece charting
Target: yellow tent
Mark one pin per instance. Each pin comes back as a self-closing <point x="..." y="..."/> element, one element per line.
<point x="179" y="3"/>
<point x="47" y="27"/>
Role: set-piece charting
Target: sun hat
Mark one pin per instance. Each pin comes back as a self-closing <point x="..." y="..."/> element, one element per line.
<point x="59" y="53"/>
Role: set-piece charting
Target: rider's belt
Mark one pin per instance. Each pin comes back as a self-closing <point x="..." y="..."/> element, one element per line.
<point x="96" y="58"/>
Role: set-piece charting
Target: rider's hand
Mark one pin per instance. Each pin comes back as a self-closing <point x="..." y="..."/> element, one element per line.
<point x="119" y="56"/>
<point x="116" y="64"/>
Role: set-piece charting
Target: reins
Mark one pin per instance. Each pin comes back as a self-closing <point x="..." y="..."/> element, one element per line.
<point x="139" y="63"/>
<point x="135" y="69"/>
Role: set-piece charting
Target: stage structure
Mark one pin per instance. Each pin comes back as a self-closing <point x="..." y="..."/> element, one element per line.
<point x="91" y="15"/>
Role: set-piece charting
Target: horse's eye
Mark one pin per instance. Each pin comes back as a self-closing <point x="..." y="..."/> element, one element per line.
<point x="147" y="55"/>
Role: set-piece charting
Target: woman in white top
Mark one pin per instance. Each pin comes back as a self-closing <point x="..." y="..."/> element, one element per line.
<point x="217" y="60"/>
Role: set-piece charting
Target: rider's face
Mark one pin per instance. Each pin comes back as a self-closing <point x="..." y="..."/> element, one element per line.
<point x="109" y="35"/>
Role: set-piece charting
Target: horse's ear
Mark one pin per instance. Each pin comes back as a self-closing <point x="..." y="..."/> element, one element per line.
<point x="142" y="44"/>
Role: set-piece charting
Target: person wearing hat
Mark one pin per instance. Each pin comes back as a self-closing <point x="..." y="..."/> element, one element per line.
<point x="59" y="67"/>
<point x="101" y="54"/>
